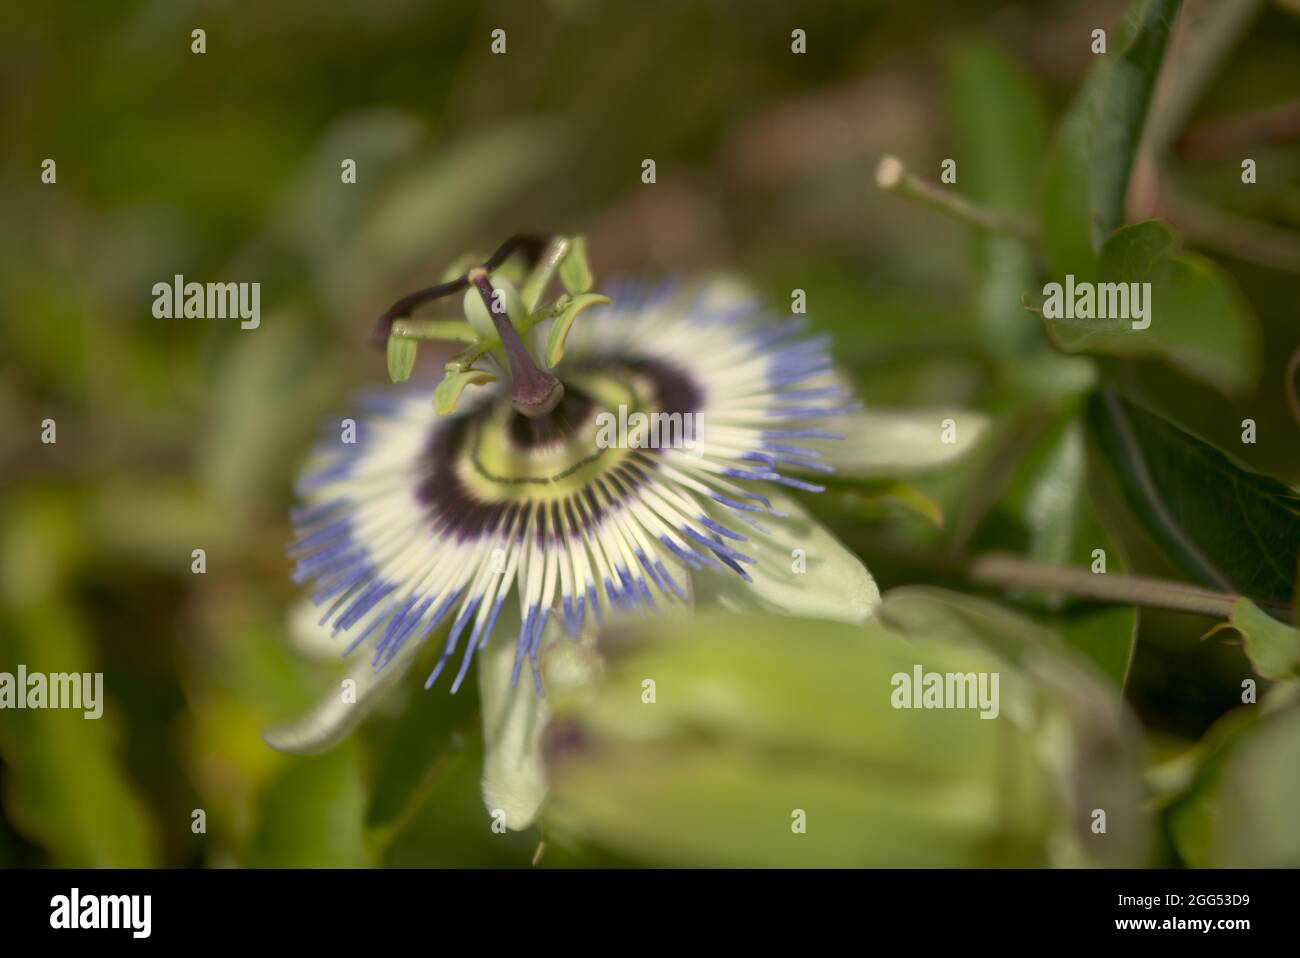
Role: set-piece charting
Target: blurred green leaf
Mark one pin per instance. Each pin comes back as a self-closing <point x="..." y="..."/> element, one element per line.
<point x="312" y="813"/>
<point x="1046" y="514"/>
<point x="1191" y="815"/>
<point x="1241" y="811"/>
<point x="268" y="384"/>
<point x="1001" y="132"/>
<point x="1199" y="320"/>
<point x="1106" y="634"/>
<point x="66" y="787"/>
<point x="1223" y="525"/>
<point x="408" y="743"/>
<point x="759" y="723"/>
<point x="1092" y="156"/>
<point x="1098" y="764"/>
<point x="446" y="193"/>
<point x="449" y="827"/>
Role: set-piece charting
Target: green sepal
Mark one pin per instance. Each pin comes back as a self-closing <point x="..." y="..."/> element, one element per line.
<point x="447" y="395"/>
<point x="575" y="270"/>
<point x="560" y="328"/>
<point x="401" y="358"/>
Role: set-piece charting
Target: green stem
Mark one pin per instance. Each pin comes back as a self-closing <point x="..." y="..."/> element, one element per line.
<point x="893" y="177"/>
<point x="997" y="569"/>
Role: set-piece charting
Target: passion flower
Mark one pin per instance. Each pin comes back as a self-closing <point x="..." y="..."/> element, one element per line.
<point x="513" y="492"/>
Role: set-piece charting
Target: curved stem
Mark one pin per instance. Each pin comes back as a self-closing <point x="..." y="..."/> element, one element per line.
<point x="528" y="243"/>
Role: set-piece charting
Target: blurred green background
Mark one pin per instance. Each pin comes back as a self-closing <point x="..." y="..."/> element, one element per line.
<point x="177" y="435"/>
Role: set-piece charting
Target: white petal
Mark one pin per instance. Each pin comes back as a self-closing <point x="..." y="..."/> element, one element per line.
<point x="514" y="781"/>
<point x="889" y="442"/>
<point x="330" y="719"/>
<point x="834" y="584"/>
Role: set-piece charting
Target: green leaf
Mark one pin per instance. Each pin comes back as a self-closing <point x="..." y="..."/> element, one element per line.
<point x="1045" y="514"/>
<point x="800" y="569"/>
<point x="1272" y="646"/>
<point x="240" y="454"/>
<point x="311" y="815"/>
<point x="1091" y="159"/>
<point x="759" y="723"/>
<point x="1105" y="633"/>
<point x="1199" y="321"/>
<point x="1001" y="129"/>
<point x="1226" y="527"/>
<point x="401" y="358"/>
<point x="575" y="270"/>
<point x="407" y="742"/>
<point x="1241" y="812"/>
<point x="66" y="785"/>
<point x="1099" y="766"/>
<point x="67" y="788"/>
